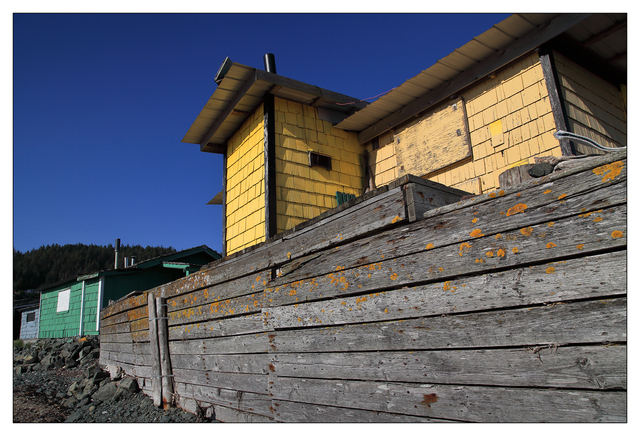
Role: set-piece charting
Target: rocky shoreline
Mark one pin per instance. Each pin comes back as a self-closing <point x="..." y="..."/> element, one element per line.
<point x="59" y="380"/>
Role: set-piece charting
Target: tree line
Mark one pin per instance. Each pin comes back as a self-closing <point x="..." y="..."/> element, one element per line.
<point x="49" y="264"/>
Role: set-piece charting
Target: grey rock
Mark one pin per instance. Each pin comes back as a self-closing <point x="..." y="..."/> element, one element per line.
<point x="540" y="169"/>
<point x="105" y="392"/>
<point x="129" y="384"/>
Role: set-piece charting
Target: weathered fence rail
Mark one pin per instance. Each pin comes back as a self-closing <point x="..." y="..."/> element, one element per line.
<point x="507" y="307"/>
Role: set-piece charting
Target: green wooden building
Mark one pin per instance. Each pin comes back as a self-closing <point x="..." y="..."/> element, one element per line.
<point x="71" y="307"/>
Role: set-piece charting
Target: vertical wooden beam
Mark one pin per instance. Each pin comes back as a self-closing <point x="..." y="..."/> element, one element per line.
<point x="224" y="203"/>
<point x="156" y="384"/>
<point x="270" y="166"/>
<point x="555" y="97"/>
<point x="165" y="360"/>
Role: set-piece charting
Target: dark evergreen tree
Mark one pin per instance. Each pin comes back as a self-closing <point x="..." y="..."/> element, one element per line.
<point x="44" y="266"/>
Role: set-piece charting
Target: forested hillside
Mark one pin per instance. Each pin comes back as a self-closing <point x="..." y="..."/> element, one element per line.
<point x="49" y="264"/>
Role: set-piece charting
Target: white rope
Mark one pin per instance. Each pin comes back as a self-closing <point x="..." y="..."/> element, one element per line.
<point x="562" y="134"/>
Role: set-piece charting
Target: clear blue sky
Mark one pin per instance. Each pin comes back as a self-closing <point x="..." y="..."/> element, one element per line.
<point x="102" y="101"/>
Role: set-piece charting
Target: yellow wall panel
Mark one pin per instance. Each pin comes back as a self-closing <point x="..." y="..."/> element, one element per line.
<point x="244" y="193"/>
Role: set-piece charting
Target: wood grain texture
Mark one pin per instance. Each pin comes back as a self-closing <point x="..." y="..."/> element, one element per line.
<point x="463" y="403"/>
<point x="582" y="367"/>
<point x="583" y="278"/>
<point x="252" y="343"/>
<point x="289" y="411"/>
<point x="544" y="242"/>
<point x="581" y="322"/>
<point x="225" y="327"/>
<point x="256" y="383"/>
<point x="434" y="141"/>
<point x="239" y="400"/>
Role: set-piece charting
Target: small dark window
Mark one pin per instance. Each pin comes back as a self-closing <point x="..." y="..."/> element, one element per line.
<point x="31" y="316"/>
<point x="319" y="160"/>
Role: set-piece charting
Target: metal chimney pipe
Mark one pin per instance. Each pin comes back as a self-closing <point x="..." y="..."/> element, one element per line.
<point x="270" y="63"/>
<point x="117" y="249"/>
<point x="126" y="262"/>
<point x="133" y="260"/>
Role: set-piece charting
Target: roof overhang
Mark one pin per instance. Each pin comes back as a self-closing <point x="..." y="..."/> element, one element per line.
<point x="603" y="34"/>
<point x="241" y="89"/>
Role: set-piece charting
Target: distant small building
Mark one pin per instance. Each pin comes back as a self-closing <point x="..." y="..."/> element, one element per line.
<point x="292" y="150"/>
<point x="26" y="314"/>
<point x="71" y="307"/>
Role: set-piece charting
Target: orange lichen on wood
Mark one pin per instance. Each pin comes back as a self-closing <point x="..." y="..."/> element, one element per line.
<point x="550" y="270"/>
<point x="562" y="196"/>
<point x="610" y="171"/>
<point x="597" y="220"/>
<point x="475" y="220"/>
<point x="396" y="219"/>
<point x="464" y="247"/>
<point x="501" y="253"/>
<point x="580" y="246"/>
<point x="429" y="246"/>
<point x="501" y="193"/>
<point x="489" y="253"/>
<point x="518" y="208"/>
<point x="551" y="245"/>
<point x="492" y="195"/>
<point x="526" y="231"/>
<point x="514" y="250"/>
<point x="548" y="191"/>
<point x="393" y="276"/>
<point x="498" y="236"/>
<point x="617" y="234"/>
<point x="476" y="233"/>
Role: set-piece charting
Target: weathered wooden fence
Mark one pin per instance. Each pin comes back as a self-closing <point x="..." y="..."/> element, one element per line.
<point x="510" y="306"/>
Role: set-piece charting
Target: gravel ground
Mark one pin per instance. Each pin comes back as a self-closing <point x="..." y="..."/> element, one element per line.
<point x="44" y="397"/>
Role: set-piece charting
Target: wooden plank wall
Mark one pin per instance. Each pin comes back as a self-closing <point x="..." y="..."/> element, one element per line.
<point x="508" y="307"/>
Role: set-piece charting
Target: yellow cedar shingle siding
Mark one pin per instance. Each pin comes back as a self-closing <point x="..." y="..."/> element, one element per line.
<point x="245" y="185"/>
<point x="304" y="192"/>
<point x="595" y="108"/>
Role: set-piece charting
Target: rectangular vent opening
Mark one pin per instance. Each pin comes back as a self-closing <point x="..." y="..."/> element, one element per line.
<point x="319" y="160"/>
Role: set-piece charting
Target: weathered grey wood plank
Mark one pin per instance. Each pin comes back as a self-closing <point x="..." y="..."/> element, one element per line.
<point x="375" y="213"/>
<point x="252" y="343"/>
<point x="381" y="212"/>
<point x="124" y="306"/>
<point x="244" y="401"/>
<point x="580" y="170"/>
<point x="288" y="411"/>
<point x="129" y="358"/>
<point x="131" y="348"/>
<point x="256" y="383"/>
<point x="128" y="316"/>
<point x="140" y="336"/>
<point x="529" y="244"/>
<point x="588" y="277"/>
<point x="464" y="403"/>
<point x="226" y="414"/>
<point x="503" y="214"/>
<point x="116" y="328"/>
<point x="581" y="322"/>
<point x="216" y="328"/>
<point x="216" y="295"/>
<point x="584" y="367"/>
<point x="239" y="363"/>
<point x="155" y="351"/>
<point x="131" y="370"/>
<point x="245" y="305"/>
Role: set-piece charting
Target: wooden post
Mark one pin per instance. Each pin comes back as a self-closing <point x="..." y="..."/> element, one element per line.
<point x="156" y="384"/>
<point x="165" y="361"/>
